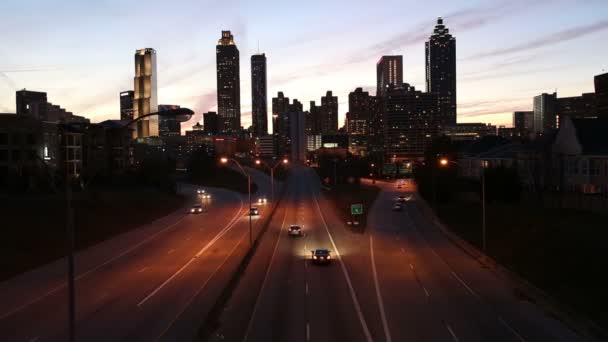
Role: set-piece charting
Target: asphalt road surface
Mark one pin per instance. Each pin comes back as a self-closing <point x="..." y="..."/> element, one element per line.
<point x="401" y="280"/>
<point x="149" y="284"/>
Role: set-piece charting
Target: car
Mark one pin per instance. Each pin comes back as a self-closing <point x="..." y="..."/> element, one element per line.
<point x="196" y="209"/>
<point x="206" y="195"/>
<point x="200" y="191"/>
<point x="397" y="207"/>
<point x="253" y="211"/>
<point x="401" y="199"/>
<point x="294" y="230"/>
<point x="262" y="200"/>
<point x="321" y="256"/>
<point x="352" y="223"/>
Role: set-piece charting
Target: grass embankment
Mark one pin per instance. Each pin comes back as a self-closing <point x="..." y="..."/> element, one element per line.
<point x="561" y="251"/>
<point x="342" y="196"/>
<point x="34" y="227"/>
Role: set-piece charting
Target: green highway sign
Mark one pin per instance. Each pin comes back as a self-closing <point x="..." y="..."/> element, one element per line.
<point x="356" y="209"/>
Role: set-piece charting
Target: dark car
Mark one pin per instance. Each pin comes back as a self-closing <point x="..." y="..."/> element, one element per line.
<point x="401" y="199"/>
<point x="254" y="211"/>
<point x="295" y="230"/>
<point x="397" y="207"/>
<point x="196" y="209"/>
<point x="321" y="256"/>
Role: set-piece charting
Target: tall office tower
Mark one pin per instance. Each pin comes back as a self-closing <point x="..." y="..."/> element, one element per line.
<point x="126" y="105"/>
<point x="315" y="119"/>
<point x="441" y="72"/>
<point x="389" y="71"/>
<point x="280" y="106"/>
<point x="601" y="94"/>
<point x="329" y="113"/>
<point x="297" y="136"/>
<point x="523" y="122"/>
<point x="168" y="126"/>
<point x="228" y="85"/>
<point x="360" y="106"/>
<point x="210" y="123"/>
<point x="409" y="122"/>
<point x="145" y="93"/>
<point x="545" y="112"/>
<point x="259" y="103"/>
<point x="296" y="106"/>
<point x="31" y="103"/>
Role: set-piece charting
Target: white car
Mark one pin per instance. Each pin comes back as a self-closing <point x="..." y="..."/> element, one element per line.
<point x="294" y="230"/>
<point x="352" y="223"/>
<point x="206" y="195"/>
<point x="200" y="191"/>
<point x="262" y="200"/>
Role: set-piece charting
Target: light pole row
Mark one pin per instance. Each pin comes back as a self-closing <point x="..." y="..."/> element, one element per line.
<point x="261" y="162"/>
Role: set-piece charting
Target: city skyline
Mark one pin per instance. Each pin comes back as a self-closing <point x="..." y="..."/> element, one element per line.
<point x="501" y="65"/>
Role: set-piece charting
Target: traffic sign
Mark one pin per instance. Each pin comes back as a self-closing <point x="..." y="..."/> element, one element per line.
<point x="356" y="209"/>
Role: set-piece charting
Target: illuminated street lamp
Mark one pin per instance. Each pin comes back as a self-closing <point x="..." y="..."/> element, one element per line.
<point x="285" y="161"/>
<point x="225" y="160"/>
<point x="484" y="164"/>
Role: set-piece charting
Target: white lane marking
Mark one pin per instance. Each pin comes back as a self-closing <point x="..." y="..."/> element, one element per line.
<point x="387" y="332"/>
<point x="412" y="267"/>
<point x="188" y="238"/>
<point x="351" y="289"/>
<point x="257" y="301"/>
<point x="116" y="257"/>
<point x="452" y="332"/>
<point x="222" y="232"/>
<point x="465" y="285"/>
<point x="171" y="251"/>
<point x="307" y="331"/>
<point x="143" y="269"/>
<point x="202" y="287"/>
<point x="306" y="288"/>
<point x="511" y="329"/>
<point x="426" y="292"/>
<point x="403" y="249"/>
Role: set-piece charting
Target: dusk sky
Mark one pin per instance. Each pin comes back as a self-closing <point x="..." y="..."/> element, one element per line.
<point x="81" y="52"/>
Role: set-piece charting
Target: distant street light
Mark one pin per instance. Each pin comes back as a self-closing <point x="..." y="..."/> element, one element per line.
<point x="260" y="162"/>
<point x="484" y="164"/>
<point x="225" y="160"/>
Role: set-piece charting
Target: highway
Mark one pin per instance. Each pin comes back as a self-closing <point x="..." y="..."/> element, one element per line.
<point x="400" y="280"/>
<point x="153" y="283"/>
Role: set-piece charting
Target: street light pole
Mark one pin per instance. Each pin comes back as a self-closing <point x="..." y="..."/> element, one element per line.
<point x="249" y="192"/>
<point x="226" y="160"/>
<point x="272" y="184"/>
<point x="70" y="260"/>
<point x="483" y="204"/>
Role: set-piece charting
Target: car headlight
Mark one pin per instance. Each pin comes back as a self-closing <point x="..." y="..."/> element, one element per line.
<point x="328" y="257"/>
<point x="314" y="256"/>
<point x="200" y="210"/>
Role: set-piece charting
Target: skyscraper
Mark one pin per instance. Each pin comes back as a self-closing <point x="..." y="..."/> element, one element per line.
<point x="280" y="106"/>
<point x="329" y="113"/>
<point x="228" y="85"/>
<point x="210" y="123"/>
<point x="409" y="122"/>
<point x="145" y="93"/>
<point x="389" y="71"/>
<point x="168" y="126"/>
<point x="126" y="105"/>
<point x="523" y="122"/>
<point x="259" y="103"/>
<point x="441" y="72"/>
<point x="545" y="111"/>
